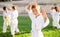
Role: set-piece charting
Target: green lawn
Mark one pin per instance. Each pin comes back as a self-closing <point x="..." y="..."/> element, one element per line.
<point x="25" y="27"/>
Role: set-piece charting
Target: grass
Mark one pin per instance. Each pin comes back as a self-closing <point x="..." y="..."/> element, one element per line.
<point x="25" y="28"/>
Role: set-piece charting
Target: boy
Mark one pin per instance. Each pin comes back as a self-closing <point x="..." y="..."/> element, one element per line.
<point x="14" y="21"/>
<point x="38" y="22"/>
<point x="55" y="16"/>
<point x="6" y="17"/>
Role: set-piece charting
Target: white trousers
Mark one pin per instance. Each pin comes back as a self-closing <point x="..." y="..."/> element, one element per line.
<point x="36" y="34"/>
<point x="5" y="26"/>
<point x="56" y="23"/>
<point x="14" y="27"/>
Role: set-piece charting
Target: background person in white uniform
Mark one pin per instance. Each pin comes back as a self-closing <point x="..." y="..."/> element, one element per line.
<point x="6" y="17"/>
<point x="14" y="21"/>
<point x="55" y="16"/>
<point x="58" y="11"/>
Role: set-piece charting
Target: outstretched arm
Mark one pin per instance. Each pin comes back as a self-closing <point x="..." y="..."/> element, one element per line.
<point x="44" y="14"/>
<point x="28" y="7"/>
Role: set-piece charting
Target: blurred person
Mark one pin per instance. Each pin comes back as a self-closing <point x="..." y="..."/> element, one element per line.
<point x="6" y="18"/>
<point x="39" y="19"/>
<point x="14" y="21"/>
<point x="55" y="16"/>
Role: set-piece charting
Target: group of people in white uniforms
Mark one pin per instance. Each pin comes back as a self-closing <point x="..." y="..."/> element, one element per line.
<point x="37" y="15"/>
<point x="10" y="19"/>
<point x="39" y="19"/>
<point x="55" y="16"/>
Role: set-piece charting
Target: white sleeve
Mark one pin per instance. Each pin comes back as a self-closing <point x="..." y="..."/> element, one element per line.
<point x="4" y="16"/>
<point x="16" y="13"/>
<point x="45" y="24"/>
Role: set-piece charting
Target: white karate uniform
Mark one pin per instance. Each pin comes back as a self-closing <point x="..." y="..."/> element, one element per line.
<point x="8" y="20"/>
<point x="14" y="22"/>
<point x="37" y="24"/>
<point x="55" y="16"/>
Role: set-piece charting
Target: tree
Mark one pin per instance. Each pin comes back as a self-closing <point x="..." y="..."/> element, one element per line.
<point x="5" y="0"/>
<point x="10" y="0"/>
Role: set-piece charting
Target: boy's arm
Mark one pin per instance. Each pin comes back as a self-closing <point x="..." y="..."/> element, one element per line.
<point x="28" y="7"/>
<point x="16" y="13"/>
<point x="44" y="14"/>
<point x="4" y="17"/>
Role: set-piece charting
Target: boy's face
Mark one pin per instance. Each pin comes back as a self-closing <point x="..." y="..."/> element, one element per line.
<point x="6" y="9"/>
<point x="34" y="11"/>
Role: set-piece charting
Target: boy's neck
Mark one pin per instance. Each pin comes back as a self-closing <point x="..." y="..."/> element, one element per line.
<point x="37" y="15"/>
